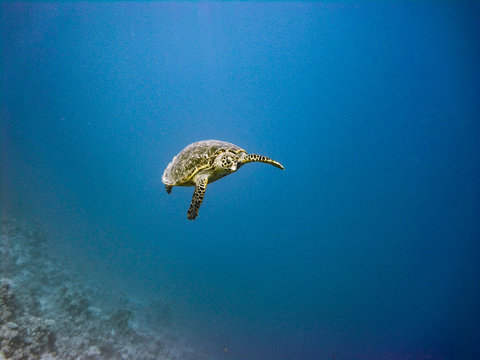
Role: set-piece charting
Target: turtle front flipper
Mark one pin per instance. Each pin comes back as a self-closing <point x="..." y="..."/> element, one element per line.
<point x="260" y="158"/>
<point x="197" y="198"/>
<point x="168" y="188"/>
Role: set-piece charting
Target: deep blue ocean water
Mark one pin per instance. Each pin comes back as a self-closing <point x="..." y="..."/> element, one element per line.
<point x="365" y="247"/>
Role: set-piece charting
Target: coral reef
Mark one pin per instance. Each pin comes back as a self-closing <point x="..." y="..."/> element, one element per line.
<point x="47" y="314"/>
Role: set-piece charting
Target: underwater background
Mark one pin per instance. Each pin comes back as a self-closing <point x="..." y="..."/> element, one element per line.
<point x="365" y="247"/>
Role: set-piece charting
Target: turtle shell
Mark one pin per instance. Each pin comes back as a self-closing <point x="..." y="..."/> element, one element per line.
<point x="195" y="157"/>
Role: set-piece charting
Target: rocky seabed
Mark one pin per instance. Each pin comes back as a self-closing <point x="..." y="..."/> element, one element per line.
<point x="46" y="313"/>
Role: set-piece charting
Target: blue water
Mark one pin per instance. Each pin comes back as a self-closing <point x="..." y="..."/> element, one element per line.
<point x="365" y="247"/>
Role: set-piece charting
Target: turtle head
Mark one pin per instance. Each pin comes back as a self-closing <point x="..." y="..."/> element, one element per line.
<point x="226" y="162"/>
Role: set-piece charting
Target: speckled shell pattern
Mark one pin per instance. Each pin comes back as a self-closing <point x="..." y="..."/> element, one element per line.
<point x="193" y="158"/>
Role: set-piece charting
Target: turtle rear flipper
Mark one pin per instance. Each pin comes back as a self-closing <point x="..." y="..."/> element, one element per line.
<point x="197" y="198"/>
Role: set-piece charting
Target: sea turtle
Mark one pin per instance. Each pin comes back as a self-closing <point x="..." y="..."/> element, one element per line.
<point x="204" y="162"/>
